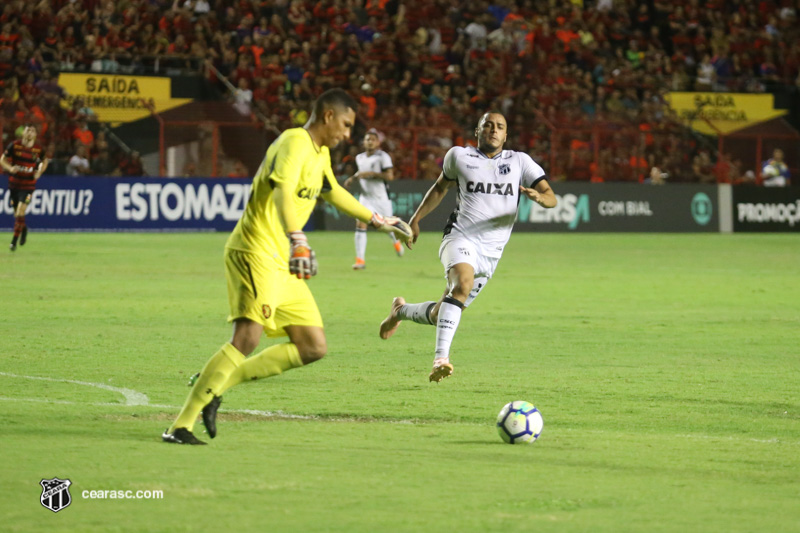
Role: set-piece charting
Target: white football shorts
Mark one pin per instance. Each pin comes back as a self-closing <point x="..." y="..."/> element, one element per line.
<point x="459" y="250"/>
<point x="376" y="205"/>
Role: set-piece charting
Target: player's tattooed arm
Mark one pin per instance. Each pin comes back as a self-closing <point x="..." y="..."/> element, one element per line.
<point x="541" y="193"/>
<point x="432" y="199"/>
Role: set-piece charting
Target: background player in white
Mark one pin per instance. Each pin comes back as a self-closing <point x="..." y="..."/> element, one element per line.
<point x="374" y="170"/>
<point x="490" y="181"/>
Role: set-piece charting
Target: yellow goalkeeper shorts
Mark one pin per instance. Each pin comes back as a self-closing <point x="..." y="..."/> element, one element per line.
<point x="260" y="291"/>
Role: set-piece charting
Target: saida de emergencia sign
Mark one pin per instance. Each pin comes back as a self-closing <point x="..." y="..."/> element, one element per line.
<point x="116" y="98"/>
<point x="712" y="113"/>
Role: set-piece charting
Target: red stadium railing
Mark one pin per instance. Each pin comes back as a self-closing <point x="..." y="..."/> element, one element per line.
<point x="599" y="152"/>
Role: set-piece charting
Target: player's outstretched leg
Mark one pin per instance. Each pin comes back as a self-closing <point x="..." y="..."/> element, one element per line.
<point x="23" y="236"/>
<point x="392" y="322"/>
<point x="419" y="313"/>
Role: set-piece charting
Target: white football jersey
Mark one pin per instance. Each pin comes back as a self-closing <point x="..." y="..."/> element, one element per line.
<point x="379" y="161"/>
<point x="488" y="194"/>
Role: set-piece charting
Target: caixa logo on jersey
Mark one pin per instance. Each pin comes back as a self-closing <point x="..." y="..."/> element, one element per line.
<point x="55" y="494"/>
<point x="308" y="193"/>
<point x="503" y="189"/>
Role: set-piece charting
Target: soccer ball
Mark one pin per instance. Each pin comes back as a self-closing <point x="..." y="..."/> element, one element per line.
<point x="519" y="422"/>
<point x="770" y="171"/>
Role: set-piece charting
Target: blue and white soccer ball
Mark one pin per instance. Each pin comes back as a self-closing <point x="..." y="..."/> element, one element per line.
<point x="519" y="423"/>
<point x="770" y="171"/>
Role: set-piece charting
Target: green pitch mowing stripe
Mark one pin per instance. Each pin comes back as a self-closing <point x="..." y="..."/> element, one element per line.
<point x="665" y="366"/>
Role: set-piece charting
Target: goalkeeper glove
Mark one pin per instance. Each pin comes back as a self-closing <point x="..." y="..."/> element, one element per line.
<point x="302" y="260"/>
<point x="394" y="225"/>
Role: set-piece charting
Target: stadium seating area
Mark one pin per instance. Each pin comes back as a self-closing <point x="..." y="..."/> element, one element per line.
<point x="420" y="63"/>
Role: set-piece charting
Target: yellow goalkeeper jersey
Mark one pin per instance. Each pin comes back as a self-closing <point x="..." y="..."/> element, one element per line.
<point x="302" y="169"/>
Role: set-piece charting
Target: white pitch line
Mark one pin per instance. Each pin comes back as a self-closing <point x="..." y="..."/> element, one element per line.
<point x="729" y="437"/>
<point x="132" y="397"/>
<point x="690" y="436"/>
<point x="254" y="412"/>
<point x="270" y="414"/>
<point x="39" y="400"/>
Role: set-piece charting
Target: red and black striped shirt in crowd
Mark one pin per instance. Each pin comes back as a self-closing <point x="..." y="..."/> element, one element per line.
<point x="28" y="160"/>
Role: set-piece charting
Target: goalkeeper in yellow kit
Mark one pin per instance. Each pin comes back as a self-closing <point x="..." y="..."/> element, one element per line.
<point x="268" y="259"/>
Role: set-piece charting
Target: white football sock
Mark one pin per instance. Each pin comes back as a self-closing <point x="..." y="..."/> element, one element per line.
<point x="419" y="313"/>
<point x="361" y="243"/>
<point x="449" y="317"/>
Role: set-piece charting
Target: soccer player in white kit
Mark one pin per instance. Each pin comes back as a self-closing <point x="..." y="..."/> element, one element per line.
<point x="490" y="181"/>
<point x="374" y="170"/>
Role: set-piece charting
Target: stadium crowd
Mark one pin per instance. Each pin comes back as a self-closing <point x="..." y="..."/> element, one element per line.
<point x="432" y="64"/>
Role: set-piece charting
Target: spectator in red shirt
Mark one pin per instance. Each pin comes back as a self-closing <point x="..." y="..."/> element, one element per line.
<point x="8" y="37"/>
<point x="132" y="165"/>
<point x="83" y="135"/>
<point x="28" y="89"/>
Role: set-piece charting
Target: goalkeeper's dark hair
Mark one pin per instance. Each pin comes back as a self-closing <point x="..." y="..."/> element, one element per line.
<point x="333" y="98"/>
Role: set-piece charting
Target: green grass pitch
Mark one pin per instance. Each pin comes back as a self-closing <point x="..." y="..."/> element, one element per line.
<point x="667" y="369"/>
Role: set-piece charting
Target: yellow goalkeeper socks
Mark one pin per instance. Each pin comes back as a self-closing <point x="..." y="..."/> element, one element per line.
<point x="271" y="362"/>
<point x="210" y="383"/>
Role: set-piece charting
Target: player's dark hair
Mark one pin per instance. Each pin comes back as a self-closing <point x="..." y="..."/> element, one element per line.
<point x="492" y="112"/>
<point x="333" y="98"/>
